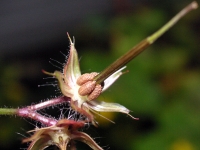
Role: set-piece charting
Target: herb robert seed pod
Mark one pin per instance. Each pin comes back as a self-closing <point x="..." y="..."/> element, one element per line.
<point x="96" y="92"/>
<point x="88" y="86"/>
<point x="86" y="77"/>
<point x="88" y="104"/>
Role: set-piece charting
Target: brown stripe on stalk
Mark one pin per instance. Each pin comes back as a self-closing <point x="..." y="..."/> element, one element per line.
<point x="122" y="61"/>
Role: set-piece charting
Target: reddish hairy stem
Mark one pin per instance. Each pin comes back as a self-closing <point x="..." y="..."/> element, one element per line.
<point x="48" y="103"/>
<point x="30" y="111"/>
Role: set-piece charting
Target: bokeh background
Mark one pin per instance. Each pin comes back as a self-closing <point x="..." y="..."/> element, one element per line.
<point x="162" y="87"/>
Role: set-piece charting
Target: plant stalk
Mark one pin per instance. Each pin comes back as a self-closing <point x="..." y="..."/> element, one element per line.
<point x="8" y="111"/>
<point x="123" y="60"/>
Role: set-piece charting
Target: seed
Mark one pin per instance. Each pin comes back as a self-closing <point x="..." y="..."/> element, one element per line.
<point x="86" y="77"/>
<point x="87" y="88"/>
<point x="95" y="93"/>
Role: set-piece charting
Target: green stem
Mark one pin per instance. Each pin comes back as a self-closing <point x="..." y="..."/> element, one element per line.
<point x="173" y="21"/>
<point x="123" y="60"/>
<point x="8" y="111"/>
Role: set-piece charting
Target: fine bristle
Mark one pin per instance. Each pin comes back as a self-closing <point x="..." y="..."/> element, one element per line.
<point x="69" y="38"/>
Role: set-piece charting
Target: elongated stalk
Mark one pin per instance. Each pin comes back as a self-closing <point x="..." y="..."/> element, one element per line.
<point x="8" y="111"/>
<point x="52" y="102"/>
<point x="173" y="21"/>
<point x="123" y="60"/>
<point x="27" y="113"/>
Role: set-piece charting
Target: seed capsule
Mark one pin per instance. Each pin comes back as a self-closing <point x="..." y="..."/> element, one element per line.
<point x="86" y="77"/>
<point x="96" y="92"/>
<point x="87" y="88"/>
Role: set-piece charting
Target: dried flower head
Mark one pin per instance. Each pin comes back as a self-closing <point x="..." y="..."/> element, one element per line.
<point x="62" y="135"/>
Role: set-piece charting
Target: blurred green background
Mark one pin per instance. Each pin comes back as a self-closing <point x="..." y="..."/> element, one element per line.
<point x="161" y="88"/>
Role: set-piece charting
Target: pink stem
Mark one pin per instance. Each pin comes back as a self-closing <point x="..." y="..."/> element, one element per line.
<point x="30" y="111"/>
<point x="48" y="103"/>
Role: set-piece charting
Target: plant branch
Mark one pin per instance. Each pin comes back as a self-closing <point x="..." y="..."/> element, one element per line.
<point x="49" y="103"/>
<point x="28" y="113"/>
